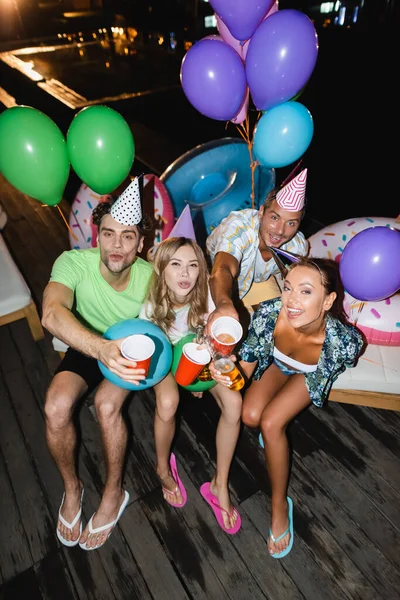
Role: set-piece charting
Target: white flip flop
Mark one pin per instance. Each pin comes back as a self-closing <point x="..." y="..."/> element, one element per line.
<point x="71" y="525"/>
<point x="107" y="526"/>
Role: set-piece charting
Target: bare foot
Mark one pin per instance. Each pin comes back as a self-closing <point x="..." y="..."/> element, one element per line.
<point x="279" y="524"/>
<point x="106" y="513"/>
<point x="170" y="489"/>
<point x="229" y="515"/>
<point x="69" y="509"/>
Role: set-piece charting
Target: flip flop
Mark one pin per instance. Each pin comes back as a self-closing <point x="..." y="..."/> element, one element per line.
<point x="260" y="440"/>
<point x="288" y="530"/>
<point x="107" y="526"/>
<point x="70" y="543"/>
<point x="218" y="510"/>
<point x="179" y="485"/>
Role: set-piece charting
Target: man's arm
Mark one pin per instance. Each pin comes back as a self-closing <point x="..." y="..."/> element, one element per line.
<point x="223" y="274"/>
<point x="59" y="320"/>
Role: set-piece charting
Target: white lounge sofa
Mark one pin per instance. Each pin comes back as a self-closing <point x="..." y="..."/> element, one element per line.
<point x="15" y="296"/>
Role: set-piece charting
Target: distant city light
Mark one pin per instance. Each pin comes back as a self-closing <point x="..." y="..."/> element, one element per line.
<point x="342" y="15"/>
<point x="210" y="21"/>
<point x="326" y="7"/>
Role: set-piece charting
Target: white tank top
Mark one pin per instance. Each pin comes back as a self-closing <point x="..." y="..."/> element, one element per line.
<point x="291" y="362"/>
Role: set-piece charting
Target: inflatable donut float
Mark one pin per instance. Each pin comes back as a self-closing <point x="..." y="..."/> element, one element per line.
<point x="214" y="179"/>
<point x="379" y="321"/>
<point x="83" y="234"/>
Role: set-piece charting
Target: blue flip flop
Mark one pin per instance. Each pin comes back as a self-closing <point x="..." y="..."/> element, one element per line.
<point x="288" y="548"/>
<point x="260" y="440"/>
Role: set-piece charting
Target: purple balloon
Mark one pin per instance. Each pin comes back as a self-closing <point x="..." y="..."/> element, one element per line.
<point x="370" y="266"/>
<point x="213" y="79"/>
<point x="241" y="16"/>
<point x="281" y="58"/>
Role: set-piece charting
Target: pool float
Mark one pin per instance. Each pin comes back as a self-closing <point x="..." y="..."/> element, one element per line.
<point x="215" y="178"/>
<point x="379" y="321"/>
<point x="83" y="234"/>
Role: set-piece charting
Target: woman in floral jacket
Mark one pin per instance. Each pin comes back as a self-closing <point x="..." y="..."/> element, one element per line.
<point x="296" y="347"/>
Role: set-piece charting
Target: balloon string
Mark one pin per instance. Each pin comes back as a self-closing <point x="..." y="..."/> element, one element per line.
<point x="67" y="224"/>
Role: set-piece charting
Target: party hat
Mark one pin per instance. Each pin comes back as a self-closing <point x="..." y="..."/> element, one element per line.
<point x="127" y="209"/>
<point x="184" y="225"/>
<point x="289" y="255"/>
<point x="292" y="196"/>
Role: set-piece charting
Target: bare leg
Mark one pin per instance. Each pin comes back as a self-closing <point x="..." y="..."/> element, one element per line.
<point x="260" y="394"/>
<point x="167" y="400"/>
<point x="108" y="402"/>
<point x="64" y="391"/>
<point x="283" y="408"/>
<point x="228" y="428"/>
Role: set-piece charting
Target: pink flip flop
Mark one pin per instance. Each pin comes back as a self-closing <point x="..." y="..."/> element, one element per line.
<point x="179" y="485"/>
<point x="218" y="510"/>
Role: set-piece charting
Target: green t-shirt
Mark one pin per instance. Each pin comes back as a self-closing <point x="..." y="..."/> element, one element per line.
<point x="98" y="305"/>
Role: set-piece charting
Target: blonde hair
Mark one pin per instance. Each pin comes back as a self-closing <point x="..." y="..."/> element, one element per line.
<point x="158" y="293"/>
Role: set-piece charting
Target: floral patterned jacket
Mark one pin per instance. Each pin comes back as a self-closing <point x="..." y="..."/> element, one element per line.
<point x="340" y="349"/>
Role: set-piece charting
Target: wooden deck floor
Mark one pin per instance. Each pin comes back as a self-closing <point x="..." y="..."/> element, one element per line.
<point x="345" y="485"/>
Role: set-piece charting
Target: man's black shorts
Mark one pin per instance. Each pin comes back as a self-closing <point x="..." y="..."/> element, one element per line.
<point x="82" y="365"/>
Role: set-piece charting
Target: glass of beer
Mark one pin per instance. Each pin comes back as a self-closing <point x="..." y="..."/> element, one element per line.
<point x="226" y="333"/>
<point x="227" y="367"/>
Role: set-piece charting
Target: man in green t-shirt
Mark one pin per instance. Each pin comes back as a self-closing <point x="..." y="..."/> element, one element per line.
<point x="90" y="290"/>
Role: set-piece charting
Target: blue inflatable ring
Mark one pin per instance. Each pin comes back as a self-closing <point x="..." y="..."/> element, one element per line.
<point x="162" y="357"/>
<point x="214" y="179"/>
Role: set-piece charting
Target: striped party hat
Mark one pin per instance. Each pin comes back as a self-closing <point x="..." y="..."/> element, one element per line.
<point x="127" y="209"/>
<point x="292" y="196"/>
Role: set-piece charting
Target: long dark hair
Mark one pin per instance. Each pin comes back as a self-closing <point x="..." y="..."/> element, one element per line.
<point x="330" y="277"/>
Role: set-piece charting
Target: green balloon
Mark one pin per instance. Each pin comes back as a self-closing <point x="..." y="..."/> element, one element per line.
<point x="198" y="386"/>
<point x="33" y="154"/>
<point x="101" y="148"/>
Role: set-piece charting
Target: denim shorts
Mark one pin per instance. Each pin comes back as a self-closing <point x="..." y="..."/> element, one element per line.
<point x="284" y="368"/>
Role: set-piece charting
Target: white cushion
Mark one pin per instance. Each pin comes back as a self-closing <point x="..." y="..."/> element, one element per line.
<point x="59" y="346"/>
<point x="378" y="370"/>
<point x="14" y="293"/>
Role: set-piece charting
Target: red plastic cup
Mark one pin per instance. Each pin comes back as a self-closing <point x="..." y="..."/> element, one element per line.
<point x="139" y="348"/>
<point x="191" y="363"/>
<point x="226" y="333"/>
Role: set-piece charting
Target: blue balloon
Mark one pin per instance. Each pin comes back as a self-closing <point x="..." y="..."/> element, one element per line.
<point x="283" y="134"/>
<point x="162" y="358"/>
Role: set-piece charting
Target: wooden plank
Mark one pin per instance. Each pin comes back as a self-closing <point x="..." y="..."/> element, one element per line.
<point x="381" y="462"/>
<point x="16" y="588"/>
<point x="347" y="540"/>
<point x="361" y="506"/>
<point x="312" y="579"/>
<point x="207" y="561"/>
<point x="354" y="461"/>
<point x="362" y="398"/>
<point x="15" y="554"/>
<point x="36" y="518"/>
<point x="54" y="579"/>
<point x="163" y="579"/>
<point x="385" y="431"/>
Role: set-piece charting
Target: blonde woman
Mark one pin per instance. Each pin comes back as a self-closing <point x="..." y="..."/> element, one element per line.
<point x="178" y="301"/>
